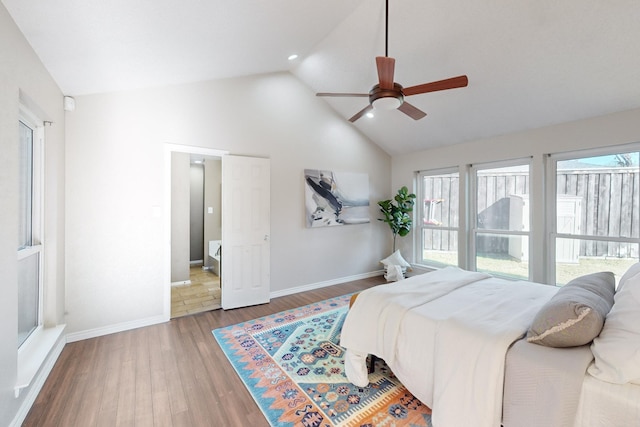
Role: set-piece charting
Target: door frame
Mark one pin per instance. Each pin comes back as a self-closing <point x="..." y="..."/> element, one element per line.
<point x="170" y="148"/>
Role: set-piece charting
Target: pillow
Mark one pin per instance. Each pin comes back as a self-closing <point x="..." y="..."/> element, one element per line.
<point x="395" y="259"/>
<point x="394" y="273"/>
<point x="617" y="349"/>
<point x="575" y="315"/>
<point x="632" y="271"/>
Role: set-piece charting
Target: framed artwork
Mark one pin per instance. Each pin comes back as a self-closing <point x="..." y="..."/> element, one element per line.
<point x="336" y="198"/>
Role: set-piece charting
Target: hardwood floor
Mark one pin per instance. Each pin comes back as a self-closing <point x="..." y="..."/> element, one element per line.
<point x="172" y="374"/>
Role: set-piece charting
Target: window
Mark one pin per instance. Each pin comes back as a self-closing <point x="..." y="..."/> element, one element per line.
<point x="596" y="218"/>
<point x="500" y="229"/>
<point x="438" y="218"/>
<point x="29" y="231"/>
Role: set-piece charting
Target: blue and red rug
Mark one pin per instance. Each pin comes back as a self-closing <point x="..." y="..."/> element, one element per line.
<point x="293" y="366"/>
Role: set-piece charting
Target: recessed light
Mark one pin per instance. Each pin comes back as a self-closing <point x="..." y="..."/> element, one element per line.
<point x="370" y="114"/>
<point x="292" y="57"/>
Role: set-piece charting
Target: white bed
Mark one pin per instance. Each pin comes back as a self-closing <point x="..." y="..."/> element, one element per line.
<point x="547" y="386"/>
<point x="447" y="336"/>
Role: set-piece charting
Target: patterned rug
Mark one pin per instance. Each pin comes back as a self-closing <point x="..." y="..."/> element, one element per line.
<point x="293" y="366"/>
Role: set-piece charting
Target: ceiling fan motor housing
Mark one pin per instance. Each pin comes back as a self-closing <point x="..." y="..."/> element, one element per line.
<point x="386" y="99"/>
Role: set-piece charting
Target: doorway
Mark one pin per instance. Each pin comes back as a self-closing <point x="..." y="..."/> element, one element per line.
<point x="245" y="209"/>
<point x="193" y="183"/>
<point x="196" y="236"/>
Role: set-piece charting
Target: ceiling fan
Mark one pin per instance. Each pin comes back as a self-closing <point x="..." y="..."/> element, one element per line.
<point x="389" y="95"/>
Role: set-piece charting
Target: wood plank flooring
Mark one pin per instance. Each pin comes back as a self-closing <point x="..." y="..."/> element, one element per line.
<point x="172" y="374"/>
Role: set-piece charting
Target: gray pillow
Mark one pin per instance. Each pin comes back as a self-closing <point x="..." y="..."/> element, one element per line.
<point x="575" y="315"/>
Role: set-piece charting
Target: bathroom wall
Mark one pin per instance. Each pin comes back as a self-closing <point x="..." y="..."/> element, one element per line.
<point x="212" y="199"/>
<point x="180" y="198"/>
<point x="196" y="213"/>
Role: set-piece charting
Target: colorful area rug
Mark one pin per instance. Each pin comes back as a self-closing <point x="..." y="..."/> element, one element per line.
<point x="293" y="366"/>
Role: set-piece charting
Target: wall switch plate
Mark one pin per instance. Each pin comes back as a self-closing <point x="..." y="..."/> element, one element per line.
<point x="210" y="210"/>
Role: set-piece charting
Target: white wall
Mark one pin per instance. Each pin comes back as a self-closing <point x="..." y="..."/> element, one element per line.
<point x="115" y="178"/>
<point x="613" y="129"/>
<point x="22" y="72"/>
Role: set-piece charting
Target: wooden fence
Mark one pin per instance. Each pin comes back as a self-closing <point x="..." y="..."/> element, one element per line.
<point x="596" y="202"/>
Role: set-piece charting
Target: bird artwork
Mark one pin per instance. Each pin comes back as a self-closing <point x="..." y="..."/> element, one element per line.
<point x="335" y="199"/>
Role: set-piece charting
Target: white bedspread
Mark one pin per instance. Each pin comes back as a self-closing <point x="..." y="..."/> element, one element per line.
<point x="445" y="335"/>
<point x="373" y="321"/>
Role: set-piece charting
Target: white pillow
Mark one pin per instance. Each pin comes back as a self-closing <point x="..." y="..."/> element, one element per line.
<point x="395" y="259"/>
<point x="394" y="273"/>
<point x="617" y="348"/>
<point x="632" y="271"/>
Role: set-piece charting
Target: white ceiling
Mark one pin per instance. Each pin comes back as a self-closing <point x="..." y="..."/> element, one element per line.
<point x="530" y="63"/>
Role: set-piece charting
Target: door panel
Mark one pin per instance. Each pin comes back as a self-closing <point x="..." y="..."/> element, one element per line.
<point x="245" y="231"/>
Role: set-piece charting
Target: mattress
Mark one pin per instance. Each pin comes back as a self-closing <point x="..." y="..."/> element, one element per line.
<point x="603" y="404"/>
<point x="542" y="385"/>
<point x="547" y="386"/>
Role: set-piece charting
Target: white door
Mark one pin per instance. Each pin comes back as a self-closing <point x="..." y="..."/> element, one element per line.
<point x="245" y="231"/>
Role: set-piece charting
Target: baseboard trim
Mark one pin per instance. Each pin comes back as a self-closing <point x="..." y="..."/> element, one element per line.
<point x="112" y="329"/>
<point x="38" y="382"/>
<point x="125" y="326"/>
<point x="318" y="285"/>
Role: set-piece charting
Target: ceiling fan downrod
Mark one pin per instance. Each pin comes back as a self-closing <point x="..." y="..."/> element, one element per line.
<point x="386" y="29"/>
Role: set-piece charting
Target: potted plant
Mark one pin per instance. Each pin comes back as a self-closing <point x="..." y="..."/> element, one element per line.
<point x="397" y="213"/>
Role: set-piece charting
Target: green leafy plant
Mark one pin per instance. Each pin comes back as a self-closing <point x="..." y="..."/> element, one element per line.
<point x="397" y="213"/>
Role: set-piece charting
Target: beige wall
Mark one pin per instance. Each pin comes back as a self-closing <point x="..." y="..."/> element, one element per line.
<point x="22" y="74"/>
<point x="180" y="208"/>
<point x="212" y="198"/>
<point x="272" y="116"/>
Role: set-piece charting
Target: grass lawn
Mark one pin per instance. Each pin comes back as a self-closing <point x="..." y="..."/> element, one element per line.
<point x="512" y="268"/>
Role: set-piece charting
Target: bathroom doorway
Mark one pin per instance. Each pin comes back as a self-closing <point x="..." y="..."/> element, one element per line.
<point x="196" y="223"/>
<point x="243" y="258"/>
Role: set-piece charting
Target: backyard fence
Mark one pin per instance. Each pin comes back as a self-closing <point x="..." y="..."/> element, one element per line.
<point x="594" y="202"/>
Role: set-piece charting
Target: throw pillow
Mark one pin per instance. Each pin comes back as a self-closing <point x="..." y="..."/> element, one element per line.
<point x="395" y="259"/>
<point x="575" y="315"/>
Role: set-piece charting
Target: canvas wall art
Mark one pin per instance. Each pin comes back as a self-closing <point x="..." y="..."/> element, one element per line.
<point x="336" y="198"/>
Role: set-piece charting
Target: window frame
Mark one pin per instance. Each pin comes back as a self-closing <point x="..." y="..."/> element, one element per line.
<point x="474" y="231"/>
<point x="420" y="214"/>
<point x="36" y="248"/>
<point x="552" y="196"/>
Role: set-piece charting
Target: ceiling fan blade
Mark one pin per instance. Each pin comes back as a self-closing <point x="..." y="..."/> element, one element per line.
<point x="452" y="83"/>
<point x="386" y="67"/>
<point x="343" y="94"/>
<point x="411" y="111"/>
<point x="361" y="113"/>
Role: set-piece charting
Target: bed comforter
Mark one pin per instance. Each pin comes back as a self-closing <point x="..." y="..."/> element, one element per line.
<point x="445" y="335"/>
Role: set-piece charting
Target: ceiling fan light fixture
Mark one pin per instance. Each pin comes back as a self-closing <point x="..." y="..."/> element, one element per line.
<point x="389" y="95"/>
<point x="386" y="103"/>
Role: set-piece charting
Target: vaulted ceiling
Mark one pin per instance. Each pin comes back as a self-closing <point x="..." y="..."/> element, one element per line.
<point x="530" y="63"/>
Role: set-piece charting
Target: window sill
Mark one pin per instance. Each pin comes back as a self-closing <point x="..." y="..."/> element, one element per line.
<point x="34" y="353"/>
